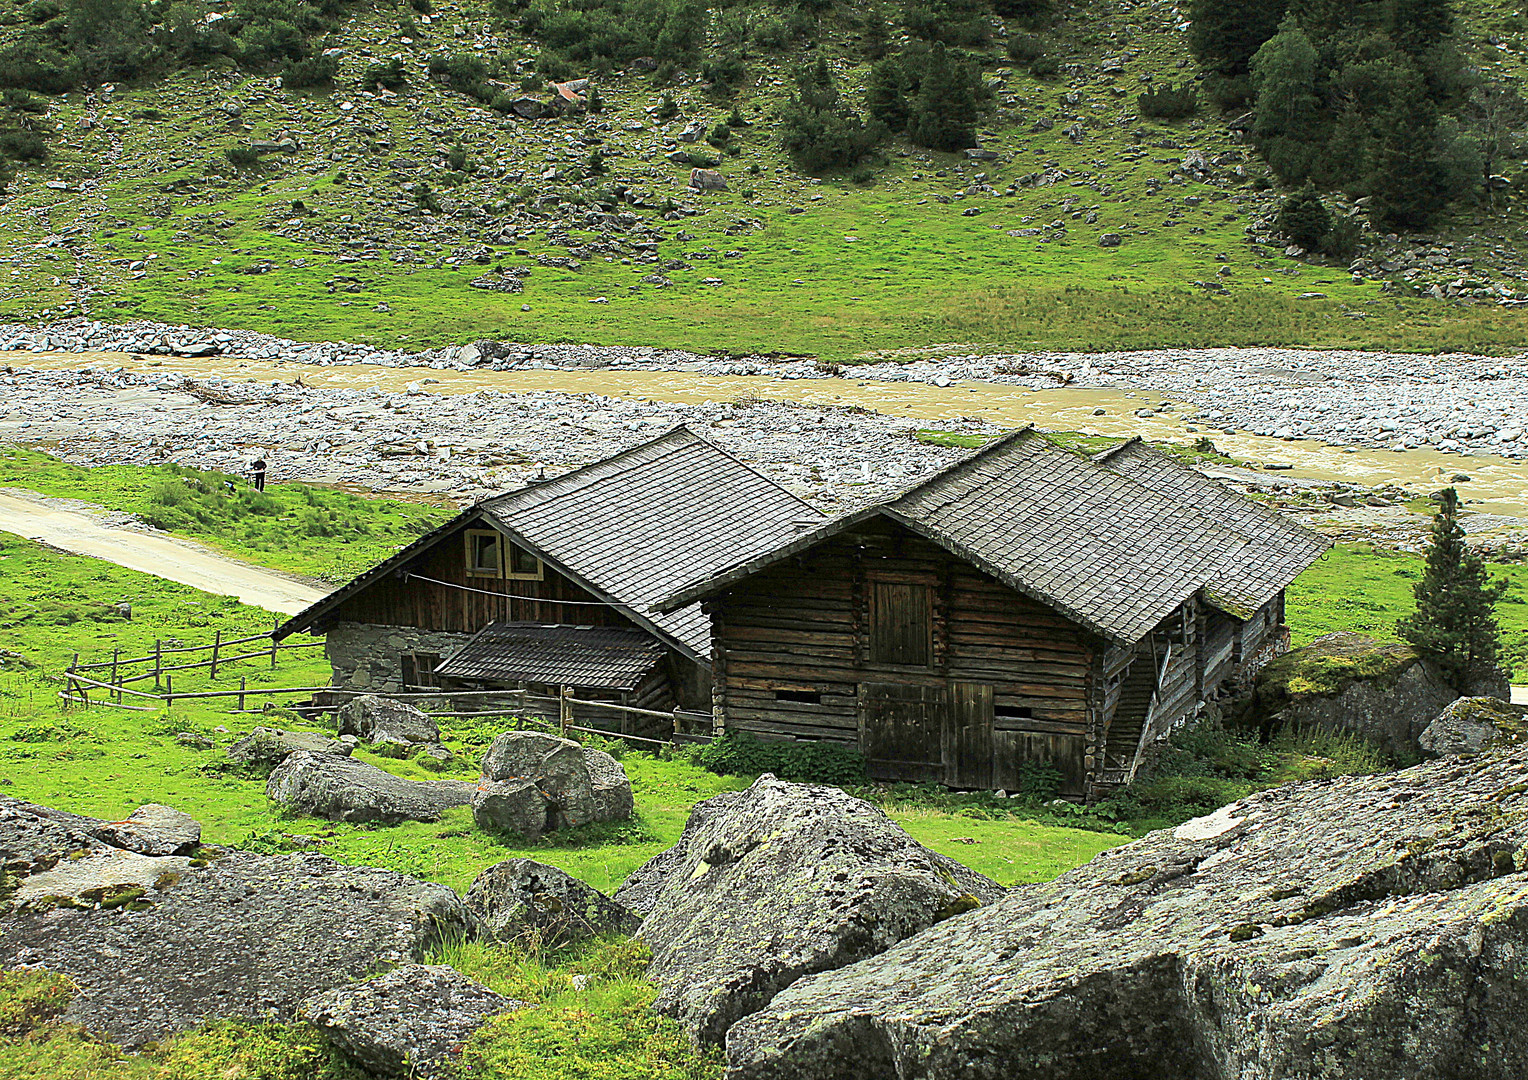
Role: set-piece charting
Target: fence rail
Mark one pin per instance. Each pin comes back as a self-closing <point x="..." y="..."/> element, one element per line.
<point x="78" y="687"/>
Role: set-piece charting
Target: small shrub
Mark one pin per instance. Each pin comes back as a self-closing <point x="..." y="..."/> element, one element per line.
<point x="1039" y="779"/>
<point x="1045" y="67"/>
<point x="456" y="158"/>
<point x="741" y="754"/>
<point x="311" y="72"/>
<point x="388" y="74"/>
<point x="23" y="146"/>
<point x="667" y="107"/>
<point x="862" y="174"/>
<point x="242" y="157"/>
<point x="21" y="101"/>
<point x="463" y="72"/>
<point x="593" y="102"/>
<point x="1025" y="49"/>
<point x="595" y="162"/>
<point x="1026" y="12"/>
<point x="34" y="65"/>
<point x="1169" y="101"/>
<point x="1342" y="240"/>
<point x="1303" y="219"/>
<point x="725" y="72"/>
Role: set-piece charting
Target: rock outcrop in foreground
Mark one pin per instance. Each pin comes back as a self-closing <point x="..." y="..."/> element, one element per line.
<point x="345" y="789"/>
<point x="1370" y="928"/>
<point x="161" y="944"/>
<point x="535" y="783"/>
<point x="785" y="880"/>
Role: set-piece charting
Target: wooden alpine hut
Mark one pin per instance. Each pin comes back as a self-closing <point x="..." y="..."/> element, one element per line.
<point x="1029" y="606"/>
<point x="552" y="585"/>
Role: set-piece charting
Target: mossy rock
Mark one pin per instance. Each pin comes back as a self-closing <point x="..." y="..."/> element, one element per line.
<point x="1328" y="666"/>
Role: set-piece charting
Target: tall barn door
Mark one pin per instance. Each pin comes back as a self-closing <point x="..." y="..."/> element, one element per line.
<point x="901" y="730"/>
<point x="968" y="736"/>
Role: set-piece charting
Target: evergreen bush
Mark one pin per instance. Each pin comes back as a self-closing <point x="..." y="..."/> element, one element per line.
<point x="742" y="754"/>
<point x="1303" y="219"/>
<point x="1169" y="101"/>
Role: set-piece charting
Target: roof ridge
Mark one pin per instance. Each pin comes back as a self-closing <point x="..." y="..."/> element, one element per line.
<point x="1104" y="455"/>
<point x="960" y="464"/>
<point x="564" y="482"/>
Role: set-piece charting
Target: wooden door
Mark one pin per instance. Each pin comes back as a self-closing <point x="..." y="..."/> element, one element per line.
<point x="967" y="741"/>
<point x="901" y="730"/>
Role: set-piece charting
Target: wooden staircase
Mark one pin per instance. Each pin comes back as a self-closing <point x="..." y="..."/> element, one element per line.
<point x="1136" y="693"/>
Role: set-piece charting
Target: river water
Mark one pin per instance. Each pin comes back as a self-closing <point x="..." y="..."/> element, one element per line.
<point x="1496" y="486"/>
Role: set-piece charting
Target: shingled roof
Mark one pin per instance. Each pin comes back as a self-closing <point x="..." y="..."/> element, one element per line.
<point x="631" y="529"/>
<point x="1113" y="554"/>
<point x="600" y="657"/>
<point x="1278" y="547"/>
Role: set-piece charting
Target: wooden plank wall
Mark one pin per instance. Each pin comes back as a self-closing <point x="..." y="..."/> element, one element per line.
<point x="393" y="601"/>
<point x="803" y="627"/>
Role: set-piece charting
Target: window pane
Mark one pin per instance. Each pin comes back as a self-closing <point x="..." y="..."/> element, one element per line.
<point x="485" y="552"/>
<point x="523" y="561"/>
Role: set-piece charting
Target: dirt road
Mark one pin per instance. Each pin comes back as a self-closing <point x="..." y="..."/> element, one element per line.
<point x="152" y="553"/>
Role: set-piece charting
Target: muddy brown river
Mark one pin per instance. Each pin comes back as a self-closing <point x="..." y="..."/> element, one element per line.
<point x="1497" y="485"/>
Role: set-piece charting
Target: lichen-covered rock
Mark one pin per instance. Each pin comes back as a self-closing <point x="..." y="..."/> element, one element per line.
<point x="520" y="896"/>
<point x="410" y="1022"/>
<point x="266" y="747"/>
<point x="580" y="785"/>
<point x="153" y="829"/>
<point x="640" y="890"/>
<point x="381" y="720"/>
<point x="1347" y="682"/>
<point x="1473" y="724"/>
<point x="344" y="789"/>
<point x="236" y="937"/>
<point x="517" y="806"/>
<point x="613" y="800"/>
<point x="1368" y="927"/>
<point x="787" y="880"/>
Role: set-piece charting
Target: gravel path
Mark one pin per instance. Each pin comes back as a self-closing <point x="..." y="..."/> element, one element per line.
<point x="62" y="524"/>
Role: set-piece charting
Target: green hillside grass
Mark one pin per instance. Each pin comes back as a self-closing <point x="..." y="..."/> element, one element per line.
<point x="863" y="267"/>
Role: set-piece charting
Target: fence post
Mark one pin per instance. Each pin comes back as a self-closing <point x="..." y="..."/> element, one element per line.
<point x="217" y="643"/>
<point x="116" y="654"/>
<point x="158" y="662"/>
<point x="274" y="628"/>
<point x="564" y="709"/>
<point x="241" y="693"/>
<point x="169" y="692"/>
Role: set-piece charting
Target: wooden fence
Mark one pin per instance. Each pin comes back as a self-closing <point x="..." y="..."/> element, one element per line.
<point x="112" y="691"/>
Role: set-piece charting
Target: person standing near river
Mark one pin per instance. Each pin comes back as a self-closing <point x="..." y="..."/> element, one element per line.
<point x="257" y="473"/>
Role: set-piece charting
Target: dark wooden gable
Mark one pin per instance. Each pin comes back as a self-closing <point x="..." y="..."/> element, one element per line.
<point x="880" y="638"/>
<point x="401" y="598"/>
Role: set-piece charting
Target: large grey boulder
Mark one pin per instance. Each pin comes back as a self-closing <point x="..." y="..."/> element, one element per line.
<point x="383" y="721"/>
<point x="1368" y="927"/>
<point x="266" y="747"/>
<point x="577" y="785"/>
<point x="639" y="892"/>
<point x="234" y="937"/>
<point x="1348" y="682"/>
<point x="613" y="799"/>
<point x="410" y="1022"/>
<point x="789" y="879"/>
<point x="344" y="789"/>
<point x="521" y="897"/>
<point x="1473" y="724"/>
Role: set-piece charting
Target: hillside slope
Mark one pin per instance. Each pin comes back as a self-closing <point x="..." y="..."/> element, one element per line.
<point x="360" y="223"/>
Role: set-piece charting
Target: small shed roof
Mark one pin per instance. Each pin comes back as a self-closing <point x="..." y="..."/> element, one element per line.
<point x="598" y="657"/>
<point x="1113" y="554"/>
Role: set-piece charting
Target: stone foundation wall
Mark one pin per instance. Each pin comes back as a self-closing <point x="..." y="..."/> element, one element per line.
<point x="364" y="656"/>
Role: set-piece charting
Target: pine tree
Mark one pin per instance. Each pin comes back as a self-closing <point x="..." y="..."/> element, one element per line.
<point x="1225" y="34"/>
<point x="943" y="115"/>
<point x="1453" y="626"/>
<point x="1304" y="219"/>
<point x="886" y="94"/>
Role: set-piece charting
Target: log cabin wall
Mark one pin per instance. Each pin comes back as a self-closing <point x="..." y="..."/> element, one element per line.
<point x="881" y="639"/>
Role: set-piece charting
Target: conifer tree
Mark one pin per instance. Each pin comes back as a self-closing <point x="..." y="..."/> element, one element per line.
<point x="1454" y="625"/>
<point x="944" y="113"/>
<point x="886" y="93"/>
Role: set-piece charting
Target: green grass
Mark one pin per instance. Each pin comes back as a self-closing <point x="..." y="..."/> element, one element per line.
<point x="309" y="530"/>
<point x="861" y="269"/>
<point x="1366" y="590"/>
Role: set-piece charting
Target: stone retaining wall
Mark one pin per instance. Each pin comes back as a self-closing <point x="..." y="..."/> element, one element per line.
<point x="365" y="656"/>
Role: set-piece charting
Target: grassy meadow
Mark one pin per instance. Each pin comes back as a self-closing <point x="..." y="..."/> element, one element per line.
<point x="825" y="265"/>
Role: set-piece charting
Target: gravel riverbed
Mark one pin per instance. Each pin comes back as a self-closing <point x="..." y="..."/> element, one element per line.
<point x="1454" y="403"/>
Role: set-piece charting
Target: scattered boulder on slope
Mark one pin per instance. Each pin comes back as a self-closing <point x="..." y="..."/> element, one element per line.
<point x="1348" y="682"/>
<point x="266" y="747"/>
<point x="1366" y="927"/>
<point x="344" y="789"/>
<point x="1473" y="724"/>
<point x="384" y="722"/>
<point x="410" y="1022"/>
<point x="520" y="896"/>
<point x="639" y="892"/>
<point x="575" y="785"/>
<point x="234" y="937"/>
<point x="787" y="880"/>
